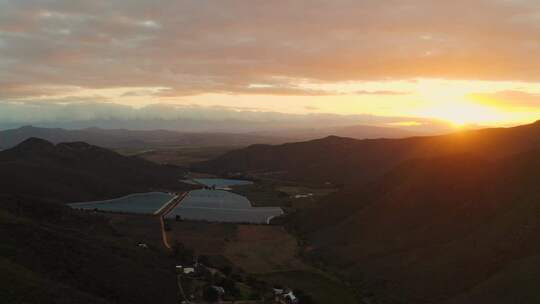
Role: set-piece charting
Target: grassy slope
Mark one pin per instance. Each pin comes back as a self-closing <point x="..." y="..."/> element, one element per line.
<point x="21" y="285"/>
<point x="515" y="283"/>
<point x="434" y="229"/>
<point x="57" y="255"/>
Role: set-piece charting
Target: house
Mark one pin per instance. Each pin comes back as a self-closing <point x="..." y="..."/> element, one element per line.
<point x="179" y="269"/>
<point x="185" y="270"/>
<point x="285" y="296"/>
<point x="290" y="298"/>
<point x="303" y="195"/>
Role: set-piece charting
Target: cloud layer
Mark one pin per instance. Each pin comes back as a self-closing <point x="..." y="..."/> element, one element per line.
<point x="189" y="118"/>
<point x="266" y="47"/>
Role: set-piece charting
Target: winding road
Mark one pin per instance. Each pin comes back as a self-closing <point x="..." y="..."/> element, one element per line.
<point x="162" y="215"/>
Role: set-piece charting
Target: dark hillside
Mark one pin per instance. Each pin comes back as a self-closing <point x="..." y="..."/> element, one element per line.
<point x="52" y="254"/>
<point x="456" y="227"/>
<point x="345" y="160"/>
<point x="78" y="171"/>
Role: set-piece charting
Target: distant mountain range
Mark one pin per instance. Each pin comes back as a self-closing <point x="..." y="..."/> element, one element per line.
<point x="145" y="139"/>
<point x="131" y="139"/>
<point x="448" y="219"/>
<point x="353" y="131"/>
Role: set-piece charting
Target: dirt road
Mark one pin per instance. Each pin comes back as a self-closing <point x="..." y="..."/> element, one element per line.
<point x="162" y="215"/>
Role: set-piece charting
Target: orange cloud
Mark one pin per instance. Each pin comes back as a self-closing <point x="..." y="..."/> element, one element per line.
<point x="508" y="99"/>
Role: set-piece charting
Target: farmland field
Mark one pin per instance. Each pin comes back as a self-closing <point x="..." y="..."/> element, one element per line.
<point x="222" y="182"/>
<point x="204" y="238"/>
<point x="141" y="203"/>
<point x="253" y="249"/>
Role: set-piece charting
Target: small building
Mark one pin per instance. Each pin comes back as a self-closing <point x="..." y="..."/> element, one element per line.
<point x="303" y="195"/>
<point x="185" y="270"/>
<point x="285" y="296"/>
<point x="189" y="270"/>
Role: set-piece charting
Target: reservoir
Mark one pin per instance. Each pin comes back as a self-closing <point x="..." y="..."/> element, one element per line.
<point x="222" y="206"/>
<point x="141" y="203"/>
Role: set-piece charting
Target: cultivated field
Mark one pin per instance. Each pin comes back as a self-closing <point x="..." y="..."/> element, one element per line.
<point x="203" y="238"/>
<point x="262" y="249"/>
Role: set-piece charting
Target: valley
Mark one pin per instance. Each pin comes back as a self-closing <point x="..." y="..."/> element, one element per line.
<point x="248" y="249"/>
<point x="146" y="223"/>
<point x="418" y="223"/>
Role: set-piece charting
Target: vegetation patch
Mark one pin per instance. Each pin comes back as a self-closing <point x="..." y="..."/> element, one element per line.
<point x="262" y="249"/>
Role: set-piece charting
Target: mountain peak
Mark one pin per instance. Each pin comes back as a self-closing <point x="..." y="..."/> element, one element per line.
<point x="335" y="139"/>
<point x="34" y="143"/>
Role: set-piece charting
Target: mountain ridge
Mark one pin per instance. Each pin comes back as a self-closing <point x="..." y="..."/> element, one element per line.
<point x="338" y="160"/>
<point x="79" y="171"/>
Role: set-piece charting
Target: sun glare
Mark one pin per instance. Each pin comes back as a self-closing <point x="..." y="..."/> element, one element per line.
<point x="460" y="114"/>
<point x="450" y="103"/>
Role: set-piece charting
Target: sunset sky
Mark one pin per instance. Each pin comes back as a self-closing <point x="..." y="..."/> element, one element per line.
<point x="462" y="61"/>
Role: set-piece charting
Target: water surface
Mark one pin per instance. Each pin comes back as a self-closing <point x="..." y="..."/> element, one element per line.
<point x="222" y="206"/>
<point x="143" y="203"/>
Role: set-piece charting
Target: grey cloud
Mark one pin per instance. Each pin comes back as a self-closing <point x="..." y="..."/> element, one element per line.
<point x="86" y="113"/>
<point x="224" y="46"/>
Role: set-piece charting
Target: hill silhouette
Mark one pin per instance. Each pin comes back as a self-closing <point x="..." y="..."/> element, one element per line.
<point x="454" y="229"/>
<point x="345" y="160"/>
<point x="132" y="139"/>
<point x="54" y="254"/>
<point x="78" y="171"/>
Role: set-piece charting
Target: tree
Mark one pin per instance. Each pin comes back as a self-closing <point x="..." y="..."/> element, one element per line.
<point x="302" y="297"/>
<point x="227" y="270"/>
<point x="183" y="254"/>
<point x="210" y="294"/>
<point x="230" y="286"/>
